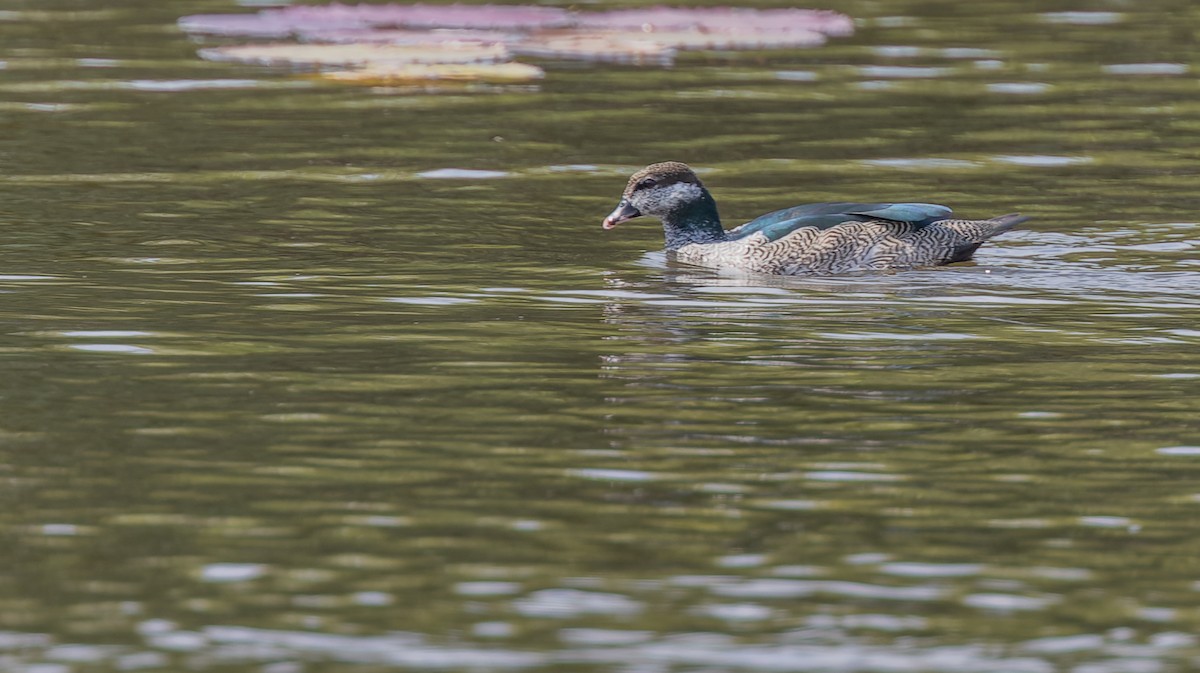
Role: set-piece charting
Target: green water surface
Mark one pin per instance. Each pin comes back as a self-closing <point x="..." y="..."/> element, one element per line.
<point x="273" y="398"/>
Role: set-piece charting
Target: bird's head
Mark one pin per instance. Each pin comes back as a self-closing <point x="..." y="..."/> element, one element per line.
<point x="657" y="190"/>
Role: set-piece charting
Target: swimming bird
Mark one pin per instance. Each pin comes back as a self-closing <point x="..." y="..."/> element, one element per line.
<point x="817" y="238"/>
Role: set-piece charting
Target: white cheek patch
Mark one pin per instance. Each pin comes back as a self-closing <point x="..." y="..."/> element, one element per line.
<point x="681" y="191"/>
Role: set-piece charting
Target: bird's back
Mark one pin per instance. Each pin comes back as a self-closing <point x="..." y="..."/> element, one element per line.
<point x="780" y="223"/>
<point x="859" y="242"/>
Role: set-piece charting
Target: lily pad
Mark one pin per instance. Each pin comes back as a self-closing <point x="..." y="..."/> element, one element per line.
<point x="493" y="73"/>
<point x="400" y="36"/>
<point x="268" y="23"/>
<point x="357" y="54"/>
<point x="511" y="17"/>
<point x="305" y="18"/>
<point x="596" y="46"/>
<point x="382" y="40"/>
<point x="722" y="20"/>
<point x="699" y="39"/>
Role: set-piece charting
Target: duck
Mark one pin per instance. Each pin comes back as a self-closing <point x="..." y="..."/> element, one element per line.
<point x="816" y="238"/>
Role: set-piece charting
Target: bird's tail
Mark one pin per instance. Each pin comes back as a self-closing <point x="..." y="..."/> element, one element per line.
<point x="1003" y="223"/>
<point x="978" y="231"/>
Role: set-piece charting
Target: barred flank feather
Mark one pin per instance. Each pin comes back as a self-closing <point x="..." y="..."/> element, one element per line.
<point x="851" y="246"/>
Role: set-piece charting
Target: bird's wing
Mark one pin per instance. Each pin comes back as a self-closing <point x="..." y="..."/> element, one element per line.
<point x="780" y="223"/>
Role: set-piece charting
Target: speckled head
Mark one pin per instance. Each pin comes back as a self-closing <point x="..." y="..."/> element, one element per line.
<point x="661" y="175"/>
<point x="657" y="189"/>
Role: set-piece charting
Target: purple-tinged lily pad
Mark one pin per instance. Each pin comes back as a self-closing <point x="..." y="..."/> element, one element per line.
<point x="389" y="75"/>
<point x="356" y="54"/>
<point x="268" y="23"/>
<point x="722" y="20"/>
<point x="309" y="18"/>
<point x="382" y="38"/>
<point x="509" y="17"/>
<point x="596" y="46"/>
<point x="697" y="39"/>
<point x="399" y="36"/>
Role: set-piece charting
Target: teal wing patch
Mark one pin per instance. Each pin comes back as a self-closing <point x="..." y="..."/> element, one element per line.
<point x="780" y="223"/>
<point x="916" y="213"/>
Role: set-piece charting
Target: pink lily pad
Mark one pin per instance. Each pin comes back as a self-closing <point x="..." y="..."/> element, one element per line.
<point x="398" y="36"/>
<point x="268" y="23"/>
<point x="512" y="17"/>
<point x="698" y="39"/>
<point x="388" y="36"/>
<point x="722" y="20"/>
<point x="356" y="54"/>
<point x="595" y="46"/>
<point x="308" y="18"/>
<point x="390" y="75"/>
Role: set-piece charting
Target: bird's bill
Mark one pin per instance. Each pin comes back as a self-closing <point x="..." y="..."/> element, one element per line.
<point x="623" y="211"/>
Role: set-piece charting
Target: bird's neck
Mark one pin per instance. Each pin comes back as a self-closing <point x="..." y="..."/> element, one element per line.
<point x="696" y="221"/>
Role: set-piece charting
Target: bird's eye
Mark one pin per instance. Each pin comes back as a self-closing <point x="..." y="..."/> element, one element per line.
<point x="647" y="183"/>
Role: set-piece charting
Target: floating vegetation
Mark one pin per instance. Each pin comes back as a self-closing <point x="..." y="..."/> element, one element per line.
<point x="723" y="20"/>
<point x="490" y="73"/>
<point x="406" y="36"/>
<point x="598" y="46"/>
<point x="694" y="39"/>
<point x="386" y="43"/>
<point x="308" y="18"/>
<point x="358" y="54"/>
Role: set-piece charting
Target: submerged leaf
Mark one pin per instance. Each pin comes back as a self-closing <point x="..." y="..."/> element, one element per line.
<point x="495" y="73"/>
<point x="356" y="54"/>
